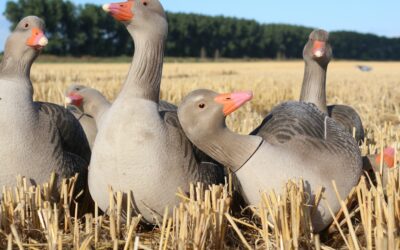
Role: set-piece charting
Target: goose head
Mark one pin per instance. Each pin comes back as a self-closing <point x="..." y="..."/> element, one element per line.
<point x="88" y="100"/>
<point x="203" y="112"/>
<point x="318" y="48"/>
<point x="141" y="17"/>
<point x="26" y="41"/>
<point x="74" y="97"/>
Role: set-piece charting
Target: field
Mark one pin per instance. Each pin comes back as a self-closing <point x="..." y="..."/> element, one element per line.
<point x="370" y="220"/>
<point x="373" y="94"/>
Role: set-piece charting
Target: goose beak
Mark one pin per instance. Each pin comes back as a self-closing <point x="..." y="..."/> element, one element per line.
<point x="37" y="40"/>
<point x="233" y="101"/>
<point x="319" y="49"/>
<point x="120" y="11"/>
<point x="388" y="157"/>
<point x="74" y="99"/>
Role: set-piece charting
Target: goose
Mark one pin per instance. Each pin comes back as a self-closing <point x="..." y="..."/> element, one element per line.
<point x="139" y="149"/>
<point x="364" y="68"/>
<point x="88" y="105"/>
<point x="317" y="54"/>
<point x="36" y="138"/>
<point x="299" y="142"/>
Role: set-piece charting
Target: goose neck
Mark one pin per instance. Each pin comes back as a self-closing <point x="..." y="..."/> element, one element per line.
<point x="230" y="149"/>
<point x="13" y="67"/>
<point x="314" y="85"/>
<point x="144" y="77"/>
<point x="97" y="110"/>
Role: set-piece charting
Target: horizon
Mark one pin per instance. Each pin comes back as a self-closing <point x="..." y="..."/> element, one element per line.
<point x="372" y="18"/>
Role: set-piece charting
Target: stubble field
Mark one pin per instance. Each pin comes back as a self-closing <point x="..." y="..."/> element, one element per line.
<point x="375" y="95"/>
<point x="203" y="221"/>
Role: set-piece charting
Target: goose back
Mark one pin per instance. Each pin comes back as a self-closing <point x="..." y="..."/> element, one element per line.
<point x="68" y="137"/>
<point x="304" y="142"/>
<point x="347" y="117"/>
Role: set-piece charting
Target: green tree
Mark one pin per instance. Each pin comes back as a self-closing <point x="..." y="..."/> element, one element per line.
<point x="86" y="30"/>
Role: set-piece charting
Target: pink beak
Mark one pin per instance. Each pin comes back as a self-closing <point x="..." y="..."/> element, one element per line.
<point x="388" y="157"/>
<point x="75" y="99"/>
<point x="120" y="11"/>
<point x="233" y="101"/>
<point x="319" y="49"/>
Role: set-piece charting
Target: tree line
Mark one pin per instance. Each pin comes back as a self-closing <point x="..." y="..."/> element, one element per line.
<point x="86" y="30"/>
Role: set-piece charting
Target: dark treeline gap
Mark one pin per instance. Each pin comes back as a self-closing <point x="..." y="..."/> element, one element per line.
<point x="85" y="30"/>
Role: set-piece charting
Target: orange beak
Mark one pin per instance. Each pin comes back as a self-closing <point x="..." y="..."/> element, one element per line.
<point x="37" y="40"/>
<point x="388" y="157"/>
<point x="120" y="11"/>
<point x="319" y="49"/>
<point x="74" y="98"/>
<point x="233" y="101"/>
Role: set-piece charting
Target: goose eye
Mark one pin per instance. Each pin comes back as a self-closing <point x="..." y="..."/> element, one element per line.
<point x="202" y="105"/>
<point x="145" y="3"/>
<point x="26" y="25"/>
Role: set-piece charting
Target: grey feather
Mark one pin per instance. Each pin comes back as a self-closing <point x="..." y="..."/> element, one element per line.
<point x="347" y="117"/>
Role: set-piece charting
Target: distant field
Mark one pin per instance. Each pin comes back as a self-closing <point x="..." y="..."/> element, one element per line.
<point x="374" y="94"/>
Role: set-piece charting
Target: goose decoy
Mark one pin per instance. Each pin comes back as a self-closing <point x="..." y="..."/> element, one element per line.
<point x="89" y="105"/>
<point x="299" y="142"/>
<point x="139" y="149"/>
<point x="36" y="138"/>
<point x="317" y="54"/>
<point x="364" y="68"/>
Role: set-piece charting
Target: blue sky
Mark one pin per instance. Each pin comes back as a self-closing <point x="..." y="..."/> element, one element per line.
<point x="379" y="17"/>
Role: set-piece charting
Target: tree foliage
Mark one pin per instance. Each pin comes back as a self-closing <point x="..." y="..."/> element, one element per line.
<point x="79" y="30"/>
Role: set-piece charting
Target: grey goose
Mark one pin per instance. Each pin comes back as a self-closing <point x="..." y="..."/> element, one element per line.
<point x="298" y="141"/>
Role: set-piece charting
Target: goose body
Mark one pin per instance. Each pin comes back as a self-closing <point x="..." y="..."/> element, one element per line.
<point x="297" y="141"/>
<point x="139" y="148"/>
<point x="36" y="138"/>
<point x="304" y="143"/>
<point x="317" y="55"/>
